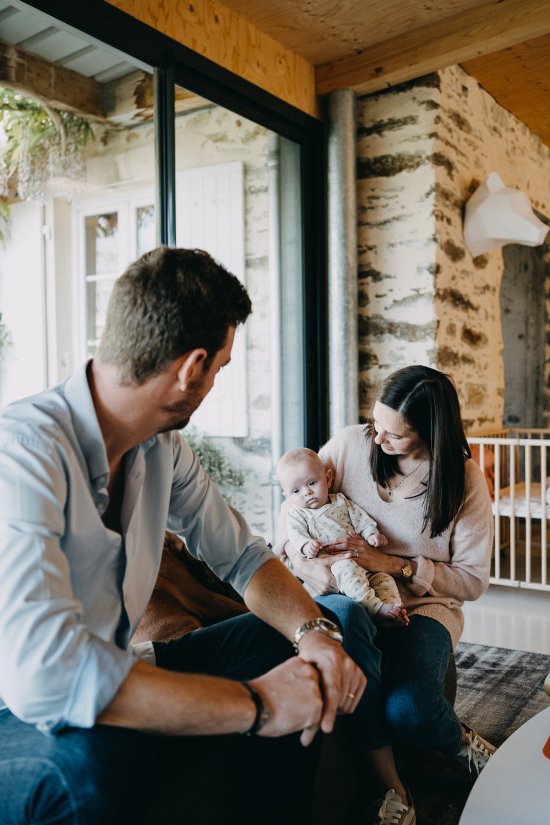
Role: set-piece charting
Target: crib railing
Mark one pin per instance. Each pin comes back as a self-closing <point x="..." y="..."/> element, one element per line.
<point x="516" y="466"/>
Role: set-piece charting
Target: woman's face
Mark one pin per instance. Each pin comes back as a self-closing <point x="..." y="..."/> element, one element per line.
<point x="394" y="435"/>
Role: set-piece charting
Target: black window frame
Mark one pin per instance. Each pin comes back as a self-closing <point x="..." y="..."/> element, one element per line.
<point x="174" y="63"/>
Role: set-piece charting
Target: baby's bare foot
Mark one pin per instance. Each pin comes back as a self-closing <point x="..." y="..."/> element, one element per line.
<point x="392" y="615"/>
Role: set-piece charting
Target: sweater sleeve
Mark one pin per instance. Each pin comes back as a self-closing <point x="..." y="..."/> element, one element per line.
<point x="465" y="576"/>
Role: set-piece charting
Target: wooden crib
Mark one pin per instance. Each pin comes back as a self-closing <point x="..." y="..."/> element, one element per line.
<point x="516" y="464"/>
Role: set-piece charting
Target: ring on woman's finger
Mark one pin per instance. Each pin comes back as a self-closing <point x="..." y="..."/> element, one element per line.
<point x="351" y="695"/>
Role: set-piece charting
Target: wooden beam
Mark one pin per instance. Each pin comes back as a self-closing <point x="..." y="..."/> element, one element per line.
<point x="62" y="87"/>
<point x="482" y="30"/>
<point x="228" y="39"/>
<point x="130" y="99"/>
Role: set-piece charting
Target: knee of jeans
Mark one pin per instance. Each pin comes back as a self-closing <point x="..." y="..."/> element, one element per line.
<point x="78" y="788"/>
<point x="411" y="713"/>
<point x="352" y="617"/>
<point x="33" y="789"/>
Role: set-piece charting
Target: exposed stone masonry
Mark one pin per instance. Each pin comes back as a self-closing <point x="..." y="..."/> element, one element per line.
<point x="423" y="147"/>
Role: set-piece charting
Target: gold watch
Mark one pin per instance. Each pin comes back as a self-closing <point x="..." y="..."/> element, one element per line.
<point x="407" y="571"/>
<point x="318" y="625"/>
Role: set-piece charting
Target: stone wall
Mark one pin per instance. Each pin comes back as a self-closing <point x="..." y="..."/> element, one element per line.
<point x="422" y="149"/>
<point x="396" y="233"/>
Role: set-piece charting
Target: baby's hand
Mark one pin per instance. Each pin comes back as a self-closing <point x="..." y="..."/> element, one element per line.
<point x="377" y="540"/>
<point x="311" y="549"/>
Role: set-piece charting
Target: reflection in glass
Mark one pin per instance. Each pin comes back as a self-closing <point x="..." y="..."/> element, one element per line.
<point x="237" y="196"/>
<point x="145" y="229"/>
<point x="102" y="268"/>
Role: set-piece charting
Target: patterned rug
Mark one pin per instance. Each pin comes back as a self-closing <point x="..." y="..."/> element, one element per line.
<point x="497" y="691"/>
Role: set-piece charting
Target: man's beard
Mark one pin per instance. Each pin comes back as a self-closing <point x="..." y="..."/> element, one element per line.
<point x="180" y="412"/>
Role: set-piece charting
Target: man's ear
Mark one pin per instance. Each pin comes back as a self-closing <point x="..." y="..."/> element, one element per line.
<point x="330" y="476"/>
<point x="191" y="367"/>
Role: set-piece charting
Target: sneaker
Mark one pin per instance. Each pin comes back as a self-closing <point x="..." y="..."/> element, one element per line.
<point x="477" y="751"/>
<point x="393" y="812"/>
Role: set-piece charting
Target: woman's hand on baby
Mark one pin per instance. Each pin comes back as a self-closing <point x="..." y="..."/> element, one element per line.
<point x="355" y="547"/>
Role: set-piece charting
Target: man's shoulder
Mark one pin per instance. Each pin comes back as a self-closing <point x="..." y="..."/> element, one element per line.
<point x="37" y="416"/>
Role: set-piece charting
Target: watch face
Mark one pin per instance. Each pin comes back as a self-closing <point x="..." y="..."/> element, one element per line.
<point x="407" y="571"/>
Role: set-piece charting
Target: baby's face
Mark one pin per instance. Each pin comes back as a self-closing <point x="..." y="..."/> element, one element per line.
<point x="306" y="484"/>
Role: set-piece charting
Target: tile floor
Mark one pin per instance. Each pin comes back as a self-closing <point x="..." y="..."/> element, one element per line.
<point x="509" y="617"/>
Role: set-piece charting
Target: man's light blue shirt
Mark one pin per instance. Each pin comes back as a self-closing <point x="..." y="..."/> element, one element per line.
<point x="70" y="587"/>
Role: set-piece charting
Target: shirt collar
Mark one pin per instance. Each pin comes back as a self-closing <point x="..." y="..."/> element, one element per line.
<point x="77" y="392"/>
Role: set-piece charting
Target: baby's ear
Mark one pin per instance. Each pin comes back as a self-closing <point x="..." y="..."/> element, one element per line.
<point x="330" y="476"/>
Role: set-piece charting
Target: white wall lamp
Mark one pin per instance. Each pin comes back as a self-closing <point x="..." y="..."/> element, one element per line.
<point x="497" y="215"/>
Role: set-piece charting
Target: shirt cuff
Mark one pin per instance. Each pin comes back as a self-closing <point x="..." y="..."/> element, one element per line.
<point x="145" y="652"/>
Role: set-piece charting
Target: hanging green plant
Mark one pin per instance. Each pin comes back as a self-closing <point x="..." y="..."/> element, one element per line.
<point x="38" y="144"/>
<point x="226" y="477"/>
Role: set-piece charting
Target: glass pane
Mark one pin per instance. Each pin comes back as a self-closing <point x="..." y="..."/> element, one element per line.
<point x="145" y="229"/>
<point x="102" y="268"/>
<point x="81" y="198"/>
<point x="237" y="196"/>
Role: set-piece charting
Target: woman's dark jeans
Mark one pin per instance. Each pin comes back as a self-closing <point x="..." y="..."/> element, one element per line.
<point x="404" y="700"/>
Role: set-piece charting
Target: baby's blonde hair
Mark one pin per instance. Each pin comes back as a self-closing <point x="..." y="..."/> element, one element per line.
<point x="296" y="456"/>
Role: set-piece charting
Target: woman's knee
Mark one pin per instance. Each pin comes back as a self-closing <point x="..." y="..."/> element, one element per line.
<point x="418" y="716"/>
<point x="352" y="617"/>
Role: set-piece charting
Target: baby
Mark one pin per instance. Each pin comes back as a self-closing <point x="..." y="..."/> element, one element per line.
<point x="318" y="518"/>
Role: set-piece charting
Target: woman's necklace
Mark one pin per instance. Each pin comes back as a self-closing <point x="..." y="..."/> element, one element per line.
<point x="405" y="477"/>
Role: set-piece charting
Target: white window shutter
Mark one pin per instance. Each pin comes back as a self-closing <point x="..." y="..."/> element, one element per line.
<point x="210" y="216"/>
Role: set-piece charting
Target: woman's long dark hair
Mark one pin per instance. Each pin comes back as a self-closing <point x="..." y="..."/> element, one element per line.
<point x="427" y="400"/>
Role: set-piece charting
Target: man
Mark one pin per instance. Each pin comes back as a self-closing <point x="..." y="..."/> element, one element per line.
<point x="91" y="474"/>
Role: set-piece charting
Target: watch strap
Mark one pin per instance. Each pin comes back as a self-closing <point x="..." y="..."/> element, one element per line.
<point x="262" y="713"/>
<point x="318" y="625"/>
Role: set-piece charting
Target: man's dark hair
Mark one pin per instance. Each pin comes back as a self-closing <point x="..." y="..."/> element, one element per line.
<point x="168" y="302"/>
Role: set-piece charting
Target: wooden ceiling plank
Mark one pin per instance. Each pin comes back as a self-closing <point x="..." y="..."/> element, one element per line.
<point x="479" y="31"/>
<point x="519" y="80"/>
<point x="62" y="87"/>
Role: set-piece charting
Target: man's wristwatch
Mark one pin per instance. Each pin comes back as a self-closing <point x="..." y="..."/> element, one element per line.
<point x="407" y="571"/>
<point x="319" y="625"/>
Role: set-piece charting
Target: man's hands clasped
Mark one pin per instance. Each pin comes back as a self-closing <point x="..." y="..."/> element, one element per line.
<point x="342" y="682"/>
<point x="308" y="691"/>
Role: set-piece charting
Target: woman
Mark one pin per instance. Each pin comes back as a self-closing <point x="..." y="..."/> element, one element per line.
<point x="411" y="469"/>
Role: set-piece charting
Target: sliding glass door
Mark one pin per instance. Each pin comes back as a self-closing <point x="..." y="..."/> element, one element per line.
<point x="185" y="153"/>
